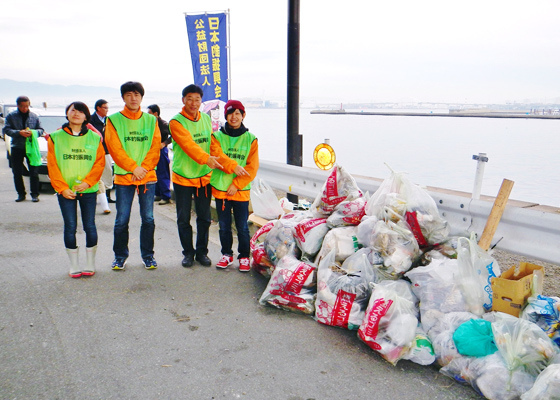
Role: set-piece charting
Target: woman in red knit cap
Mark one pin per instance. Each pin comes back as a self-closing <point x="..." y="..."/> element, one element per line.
<point x="238" y="153"/>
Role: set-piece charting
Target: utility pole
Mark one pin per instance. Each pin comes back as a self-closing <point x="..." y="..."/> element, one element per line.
<point x="294" y="139"/>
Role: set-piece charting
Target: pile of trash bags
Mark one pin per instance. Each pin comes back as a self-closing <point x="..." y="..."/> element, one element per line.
<point x="386" y="267"/>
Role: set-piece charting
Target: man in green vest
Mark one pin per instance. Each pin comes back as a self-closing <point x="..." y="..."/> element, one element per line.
<point x="133" y="140"/>
<point x="192" y="166"/>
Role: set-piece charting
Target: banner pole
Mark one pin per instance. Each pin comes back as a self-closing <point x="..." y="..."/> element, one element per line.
<point x="229" y="55"/>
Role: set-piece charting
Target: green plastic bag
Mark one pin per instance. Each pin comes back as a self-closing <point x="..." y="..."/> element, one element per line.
<point x="32" y="149"/>
<point x="475" y="338"/>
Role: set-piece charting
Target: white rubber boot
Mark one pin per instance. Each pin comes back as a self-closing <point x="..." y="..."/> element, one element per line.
<point x="102" y="198"/>
<point x="75" y="271"/>
<point x="89" y="270"/>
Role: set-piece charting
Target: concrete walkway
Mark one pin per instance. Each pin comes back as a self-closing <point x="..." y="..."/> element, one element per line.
<point x="170" y="333"/>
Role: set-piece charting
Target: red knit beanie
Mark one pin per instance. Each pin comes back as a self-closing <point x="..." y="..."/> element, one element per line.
<point x="233" y="105"/>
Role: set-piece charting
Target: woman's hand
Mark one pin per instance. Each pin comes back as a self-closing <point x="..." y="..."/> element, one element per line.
<point x="81" y="187"/>
<point x="232" y="189"/>
<point x="68" y="194"/>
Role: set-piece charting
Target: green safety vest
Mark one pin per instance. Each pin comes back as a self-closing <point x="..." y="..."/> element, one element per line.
<point x="75" y="156"/>
<point x="136" y="136"/>
<point x="32" y="150"/>
<point x="236" y="148"/>
<point x="200" y="131"/>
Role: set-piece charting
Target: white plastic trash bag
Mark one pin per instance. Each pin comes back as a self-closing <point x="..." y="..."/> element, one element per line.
<point x="292" y="286"/>
<point x="390" y="321"/>
<point x="476" y="268"/>
<point x="264" y="201"/>
<point x="547" y="385"/>
<point x="348" y="213"/>
<point x="343" y="240"/>
<point x="339" y="186"/>
<point x="438" y="287"/>
<point x="309" y="235"/>
<point x="343" y="291"/>
<point x="399" y="198"/>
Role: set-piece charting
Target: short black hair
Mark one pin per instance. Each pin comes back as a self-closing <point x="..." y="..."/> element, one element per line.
<point x="192" y="89"/>
<point x="155" y="109"/>
<point x="22" y="99"/>
<point x="100" y="103"/>
<point x="132" y="87"/>
<point x="78" y="105"/>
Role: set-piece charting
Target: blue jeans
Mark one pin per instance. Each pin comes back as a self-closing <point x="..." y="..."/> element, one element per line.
<point x="183" y="200"/>
<point x="163" y="177"/>
<point x="125" y="196"/>
<point x="240" y="214"/>
<point x="69" y="209"/>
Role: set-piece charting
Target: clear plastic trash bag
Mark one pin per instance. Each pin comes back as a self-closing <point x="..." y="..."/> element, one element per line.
<point x="390" y="321"/>
<point x="292" y="286"/>
<point x="343" y="290"/>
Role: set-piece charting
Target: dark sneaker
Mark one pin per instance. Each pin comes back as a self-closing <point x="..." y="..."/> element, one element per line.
<point x="164" y="201"/>
<point x="35" y="199"/>
<point x="244" y="264"/>
<point x="188" y="261"/>
<point x="20" y="198"/>
<point x="157" y="198"/>
<point x="118" y="264"/>
<point x="204" y="260"/>
<point x="225" y="261"/>
<point x="149" y="263"/>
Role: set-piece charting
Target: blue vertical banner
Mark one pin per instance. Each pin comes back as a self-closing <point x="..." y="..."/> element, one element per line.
<point x="208" y="43"/>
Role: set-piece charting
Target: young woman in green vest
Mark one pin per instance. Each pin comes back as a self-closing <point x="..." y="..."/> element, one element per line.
<point x="75" y="160"/>
<point x="237" y="150"/>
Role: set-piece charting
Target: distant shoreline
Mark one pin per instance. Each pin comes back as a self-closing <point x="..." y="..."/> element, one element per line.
<point x="473" y="114"/>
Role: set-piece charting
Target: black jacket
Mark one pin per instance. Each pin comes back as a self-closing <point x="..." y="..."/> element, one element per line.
<point x="14" y="123"/>
<point x="100" y="126"/>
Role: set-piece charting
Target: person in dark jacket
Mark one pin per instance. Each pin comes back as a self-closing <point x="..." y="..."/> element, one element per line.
<point x="163" y="191"/>
<point x="19" y="125"/>
<point x="106" y="182"/>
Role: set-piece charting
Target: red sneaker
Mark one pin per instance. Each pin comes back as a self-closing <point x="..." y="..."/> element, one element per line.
<point x="244" y="264"/>
<point x="224" y="262"/>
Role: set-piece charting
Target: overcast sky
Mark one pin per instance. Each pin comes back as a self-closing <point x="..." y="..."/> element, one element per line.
<point x="368" y="51"/>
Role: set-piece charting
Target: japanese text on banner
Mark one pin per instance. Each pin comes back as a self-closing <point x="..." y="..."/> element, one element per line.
<point x="208" y="44"/>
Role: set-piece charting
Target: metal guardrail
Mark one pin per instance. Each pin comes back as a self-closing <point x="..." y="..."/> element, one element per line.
<point x="527" y="232"/>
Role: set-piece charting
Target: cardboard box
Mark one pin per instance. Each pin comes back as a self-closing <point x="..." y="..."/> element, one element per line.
<point x="510" y="291"/>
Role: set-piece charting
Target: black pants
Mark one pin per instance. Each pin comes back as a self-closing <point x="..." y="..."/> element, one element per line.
<point x="17" y="157"/>
<point x="183" y="201"/>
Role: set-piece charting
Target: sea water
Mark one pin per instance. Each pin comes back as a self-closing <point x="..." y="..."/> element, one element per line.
<point x="434" y="151"/>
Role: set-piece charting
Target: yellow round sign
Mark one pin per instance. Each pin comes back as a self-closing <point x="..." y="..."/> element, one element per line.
<point x="324" y="156"/>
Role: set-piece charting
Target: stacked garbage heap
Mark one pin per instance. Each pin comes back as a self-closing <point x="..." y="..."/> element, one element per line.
<point x="386" y="266"/>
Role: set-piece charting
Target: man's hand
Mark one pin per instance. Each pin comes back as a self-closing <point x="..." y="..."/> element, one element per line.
<point x="213" y="162"/>
<point x="25" y="132"/>
<point x="240" y="171"/>
<point x="139" y="173"/>
<point x="68" y="194"/>
<point x="232" y="189"/>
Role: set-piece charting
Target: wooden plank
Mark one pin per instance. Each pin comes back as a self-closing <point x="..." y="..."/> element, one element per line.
<point x="259" y="221"/>
<point x="495" y="214"/>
